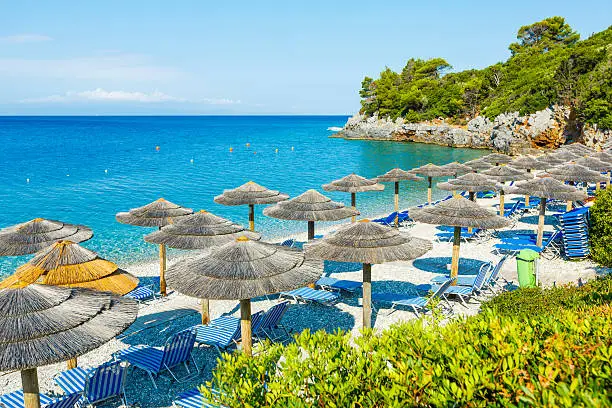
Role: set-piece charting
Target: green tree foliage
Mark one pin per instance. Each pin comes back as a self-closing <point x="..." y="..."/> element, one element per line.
<point x="600" y="232"/>
<point x="548" y="65"/>
<point x="559" y="356"/>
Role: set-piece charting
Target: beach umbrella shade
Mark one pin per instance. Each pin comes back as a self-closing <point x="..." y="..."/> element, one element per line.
<point x="395" y="176"/>
<point x="547" y="188"/>
<point x="575" y="173"/>
<point x="478" y="165"/>
<point x="250" y="193"/>
<point x="597" y="165"/>
<point x="200" y="230"/>
<point x="458" y="212"/>
<point x="32" y="236"/>
<point x="577" y="148"/>
<point x="244" y="269"/>
<point x="431" y="170"/>
<point x="44" y="324"/>
<point x="457" y="168"/>
<point x="472" y="183"/>
<point x="566" y="155"/>
<point x="550" y="160"/>
<point x="310" y="206"/>
<point x="158" y="214"/>
<point x="367" y="243"/>
<point x="528" y="163"/>
<point x="501" y="174"/>
<point x="606" y="158"/>
<point x="353" y="184"/>
<point x="497" y="158"/>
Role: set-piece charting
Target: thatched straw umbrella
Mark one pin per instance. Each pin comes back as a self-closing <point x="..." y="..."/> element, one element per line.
<point x="37" y="234"/>
<point x="431" y="170"/>
<point x="575" y="173"/>
<point x="158" y="214"/>
<point x="201" y="230"/>
<point x="606" y="158"/>
<point x="458" y="212"/>
<point x="497" y="158"/>
<point x="395" y="176"/>
<point x="68" y="264"/>
<point x="566" y="155"/>
<point x="597" y="165"/>
<point x="550" y="160"/>
<point x="43" y="325"/>
<point x="478" y="165"/>
<point x="577" y="148"/>
<point x="244" y="269"/>
<point x="457" y="168"/>
<point x="471" y="182"/>
<point x="502" y="174"/>
<point x="547" y="188"/>
<point x="353" y="184"/>
<point x="250" y="193"/>
<point x="368" y="243"/>
<point x="528" y="163"/>
<point x="310" y="206"/>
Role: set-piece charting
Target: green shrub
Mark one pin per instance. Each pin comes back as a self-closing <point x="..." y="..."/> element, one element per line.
<point x="600" y="232"/>
<point x="551" y="359"/>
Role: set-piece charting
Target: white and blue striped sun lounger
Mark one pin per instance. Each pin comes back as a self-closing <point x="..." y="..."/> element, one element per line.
<point x="416" y="303"/>
<point x="192" y="399"/>
<point x="338" y="284"/>
<point x="142" y="293"/>
<point x="464" y="293"/>
<point x="312" y="295"/>
<point x="155" y="360"/>
<point x="468" y="280"/>
<point x="95" y="384"/>
<point x="271" y="321"/>
<point x="15" y="400"/>
<point x="224" y="332"/>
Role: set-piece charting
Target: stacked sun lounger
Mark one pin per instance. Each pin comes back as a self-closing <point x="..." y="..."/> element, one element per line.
<point x="575" y="232"/>
<point x="550" y="247"/>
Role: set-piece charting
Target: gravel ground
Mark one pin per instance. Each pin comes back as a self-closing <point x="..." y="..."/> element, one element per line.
<point x="159" y="319"/>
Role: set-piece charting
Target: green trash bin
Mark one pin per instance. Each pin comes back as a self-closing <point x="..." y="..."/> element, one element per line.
<point x="526" y="268"/>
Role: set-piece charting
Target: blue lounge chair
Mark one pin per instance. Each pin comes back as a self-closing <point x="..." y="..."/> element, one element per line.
<point x="288" y="243"/>
<point x="465" y="293"/>
<point x="155" y="360"/>
<point x="512" y="246"/>
<point x="338" y="284"/>
<point x="95" y="384"/>
<point x="271" y="321"/>
<point x="492" y="275"/>
<point x="15" y="400"/>
<point x="312" y="295"/>
<point x="192" y="399"/>
<point x="142" y="293"/>
<point x="224" y="332"/>
<point x="416" y="303"/>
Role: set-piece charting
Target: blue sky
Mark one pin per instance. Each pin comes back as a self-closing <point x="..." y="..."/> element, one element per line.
<point x="243" y="57"/>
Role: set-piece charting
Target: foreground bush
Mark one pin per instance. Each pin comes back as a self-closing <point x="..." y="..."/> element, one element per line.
<point x="600" y="231"/>
<point x="550" y="359"/>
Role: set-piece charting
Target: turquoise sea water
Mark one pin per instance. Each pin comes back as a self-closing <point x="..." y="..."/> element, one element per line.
<point x="85" y="169"/>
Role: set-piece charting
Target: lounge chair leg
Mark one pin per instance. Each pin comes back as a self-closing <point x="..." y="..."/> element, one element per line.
<point x="152" y="379"/>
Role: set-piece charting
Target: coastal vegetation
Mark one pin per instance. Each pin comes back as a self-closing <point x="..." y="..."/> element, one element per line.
<point x="538" y="347"/>
<point x="549" y="64"/>
<point x="600" y="229"/>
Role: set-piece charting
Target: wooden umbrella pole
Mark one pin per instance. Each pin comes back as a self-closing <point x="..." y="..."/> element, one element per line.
<point x="72" y="363"/>
<point x="162" y="269"/>
<point x="472" y="197"/>
<point x="527" y="195"/>
<point x="597" y="186"/>
<point x="367" y="296"/>
<point x="252" y="217"/>
<point x="501" y="203"/>
<point x="205" y="304"/>
<point x="541" y="221"/>
<point x="29" y="381"/>
<point x="245" y="326"/>
<point x="568" y="206"/>
<point x="608" y="179"/>
<point x="353" y="205"/>
<point x="311" y="230"/>
<point x="396" y="204"/>
<point x="455" y="260"/>
<point x="429" y="190"/>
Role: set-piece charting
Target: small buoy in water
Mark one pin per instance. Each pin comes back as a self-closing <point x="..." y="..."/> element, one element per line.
<point x="67" y="175"/>
<point x="231" y="149"/>
<point x="291" y="148"/>
<point x="157" y="148"/>
<point x="27" y="180"/>
<point x="248" y="144"/>
<point x="191" y="160"/>
<point x="275" y="150"/>
<point x="254" y="152"/>
<point x="106" y="170"/>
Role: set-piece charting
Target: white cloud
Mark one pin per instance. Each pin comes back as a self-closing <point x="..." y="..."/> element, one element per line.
<point x="102" y="95"/>
<point x="24" y="38"/>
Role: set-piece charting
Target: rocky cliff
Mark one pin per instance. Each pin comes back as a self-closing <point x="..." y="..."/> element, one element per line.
<point x="508" y="133"/>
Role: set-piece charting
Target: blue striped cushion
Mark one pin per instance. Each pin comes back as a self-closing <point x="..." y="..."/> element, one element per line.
<point x="192" y="399"/>
<point x="105" y="382"/>
<point x="415" y="301"/>
<point x="73" y="381"/>
<point x="178" y="349"/>
<point x="217" y="336"/>
<point x="15" y="399"/>
<point x="144" y="357"/>
<point x="141" y="293"/>
<point x="313" y="295"/>
<point x="459" y="290"/>
<point x="273" y="316"/>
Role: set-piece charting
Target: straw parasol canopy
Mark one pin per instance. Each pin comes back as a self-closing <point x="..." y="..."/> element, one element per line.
<point x="244" y="269"/>
<point x="458" y="212"/>
<point x="575" y="173"/>
<point x="310" y="206"/>
<point x="528" y="163"/>
<point x="606" y="158"/>
<point x="550" y="160"/>
<point x="68" y="264"/>
<point x="547" y="188"/>
<point x="566" y="155"/>
<point x="478" y="164"/>
<point x="497" y="158"/>
<point x="159" y="213"/>
<point x="32" y="236"/>
<point x="577" y="148"/>
<point x="502" y="174"/>
<point x="395" y="176"/>
<point x="431" y="170"/>
<point x="471" y="182"/>
<point x="594" y="164"/>
<point x="250" y="193"/>
<point x="43" y="325"/>
<point x="457" y="168"/>
<point x="368" y="243"/>
<point x="353" y="184"/>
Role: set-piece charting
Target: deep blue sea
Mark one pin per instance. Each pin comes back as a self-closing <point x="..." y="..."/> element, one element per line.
<point x="85" y="169"/>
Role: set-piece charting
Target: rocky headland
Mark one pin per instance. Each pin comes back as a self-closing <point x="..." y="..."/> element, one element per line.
<point x="510" y="133"/>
